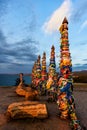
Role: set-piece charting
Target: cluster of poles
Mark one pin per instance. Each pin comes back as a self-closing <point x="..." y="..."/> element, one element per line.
<point x="58" y="86"/>
<point x="40" y="78"/>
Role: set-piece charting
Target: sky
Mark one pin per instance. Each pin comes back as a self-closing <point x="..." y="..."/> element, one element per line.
<point x="30" y="27"/>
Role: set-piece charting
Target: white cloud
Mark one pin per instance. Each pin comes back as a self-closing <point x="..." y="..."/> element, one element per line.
<point x="83" y="25"/>
<point x="58" y="15"/>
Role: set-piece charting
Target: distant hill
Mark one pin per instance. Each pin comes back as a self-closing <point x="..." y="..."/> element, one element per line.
<point x="80" y="76"/>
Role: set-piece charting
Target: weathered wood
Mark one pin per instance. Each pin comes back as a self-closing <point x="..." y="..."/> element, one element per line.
<point x="27" y="109"/>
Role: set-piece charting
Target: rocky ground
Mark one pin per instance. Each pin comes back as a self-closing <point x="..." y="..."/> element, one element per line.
<point x="8" y="95"/>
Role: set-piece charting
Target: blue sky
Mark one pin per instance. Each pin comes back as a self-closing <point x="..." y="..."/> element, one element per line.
<point x="29" y="27"/>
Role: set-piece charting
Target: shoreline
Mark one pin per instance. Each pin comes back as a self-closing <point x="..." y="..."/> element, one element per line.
<point x="74" y="84"/>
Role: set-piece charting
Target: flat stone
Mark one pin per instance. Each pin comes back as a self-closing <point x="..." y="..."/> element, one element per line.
<point x="27" y="109"/>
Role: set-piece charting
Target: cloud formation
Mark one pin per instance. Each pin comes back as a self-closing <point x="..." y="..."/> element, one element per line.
<point x="3" y="7"/>
<point x="22" y="53"/>
<point x="83" y="25"/>
<point x="83" y="43"/>
<point x="79" y="67"/>
<point x="17" y="54"/>
<point x="79" y="11"/>
<point x="85" y="60"/>
<point x="58" y="15"/>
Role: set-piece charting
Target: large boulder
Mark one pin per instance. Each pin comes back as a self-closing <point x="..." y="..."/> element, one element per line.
<point x="32" y="95"/>
<point x="20" y="90"/>
<point x="29" y="93"/>
<point x="27" y="109"/>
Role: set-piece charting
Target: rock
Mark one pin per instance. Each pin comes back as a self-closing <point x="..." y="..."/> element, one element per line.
<point x="29" y="93"/>
<point x="19" y="90"/>
<point x="27" y="109"/>
<point x="32" y="95"/>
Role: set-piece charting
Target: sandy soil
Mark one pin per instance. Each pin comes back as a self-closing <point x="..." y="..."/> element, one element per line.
<point x="8" y="95"/>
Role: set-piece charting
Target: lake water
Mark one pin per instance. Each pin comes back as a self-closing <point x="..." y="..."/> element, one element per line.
<point x="10" y="80"/>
